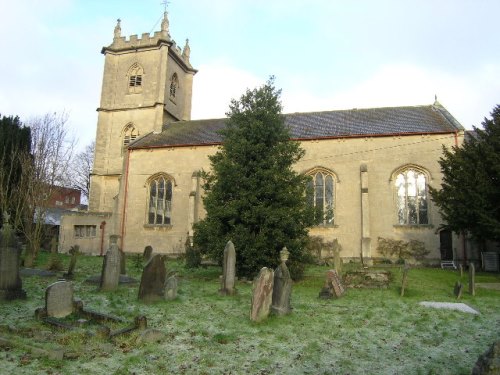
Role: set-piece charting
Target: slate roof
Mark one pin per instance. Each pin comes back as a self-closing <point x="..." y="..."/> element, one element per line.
<point x="317" y="125"/>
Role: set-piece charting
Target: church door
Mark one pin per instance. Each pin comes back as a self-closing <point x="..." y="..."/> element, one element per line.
<point x="446" y="245"/>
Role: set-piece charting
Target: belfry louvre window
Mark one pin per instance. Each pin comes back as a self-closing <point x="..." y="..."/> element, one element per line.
<point x="135" y="75"/>
<point x="411" y="197"/>
<point x="129" y="135"/>
<point x="135" y="81"/>
<point x="160" y="201"/>
<point x="174" y="84"/>
<point x="320" y="195"/>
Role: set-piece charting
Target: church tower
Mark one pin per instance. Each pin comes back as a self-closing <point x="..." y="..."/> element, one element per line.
<point x="147" y="83"/>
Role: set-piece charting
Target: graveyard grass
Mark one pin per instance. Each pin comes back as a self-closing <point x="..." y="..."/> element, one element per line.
<point x="365" y="332"/>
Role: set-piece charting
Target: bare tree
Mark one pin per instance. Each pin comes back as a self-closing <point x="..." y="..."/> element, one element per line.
<point x="82" y="168"/>
<point x="44" y="170"/>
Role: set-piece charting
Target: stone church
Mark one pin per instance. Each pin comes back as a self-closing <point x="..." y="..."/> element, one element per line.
<point x="370" y="168"/>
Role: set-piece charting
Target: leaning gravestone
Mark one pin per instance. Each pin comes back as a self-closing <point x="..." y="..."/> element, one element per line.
<point x="147" y="253"/>
<point x="10" y="281"/>
<point x="282" y="288"/>
<point x="74" y="251"/>
<point x="472" y="279"/>
<point x="110" y="275"/>
<point x="171" y="288"/>
<point x="153" y="279"/>
<point x="404" y="281"/>
<point x="228" y="270"/>
<point x="457" y="290"/>
<point x="333" y="286"/>
<point x="262" y="293"/>
<point x="59" y="299"/>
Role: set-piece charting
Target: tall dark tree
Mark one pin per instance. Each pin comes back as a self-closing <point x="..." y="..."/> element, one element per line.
<point x="15" y="144"/>
<point x="469" y="198"/>
<point x="253" y="195"/>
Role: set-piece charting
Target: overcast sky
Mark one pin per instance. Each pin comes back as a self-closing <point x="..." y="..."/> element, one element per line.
<point x="325" y="54"/>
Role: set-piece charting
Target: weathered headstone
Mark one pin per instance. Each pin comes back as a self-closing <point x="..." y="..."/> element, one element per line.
<point x="472" y="279"/>
<point x="171" y="288"/>
<point x="262" y="293"/>
<point x="74" y="251"/>
<point x="10" y="281"/>
<point x="461" y="270"/>
<point x="282" y="288"/>
<point x="153" y="279"/>
<point x="337" y="262"/>
<point x="59" y="299"/>
<point x="404" y="281"/>
<point x="457" y="290"/>
<point x="333" y="286"/>
<point x="228" y="270"/>
<point x="110" y="275"/>
<point x="147" y="253"/>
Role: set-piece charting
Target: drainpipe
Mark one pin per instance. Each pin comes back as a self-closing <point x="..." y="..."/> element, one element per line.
<point x="102" y="227"/>
<point x="122" y="229"/>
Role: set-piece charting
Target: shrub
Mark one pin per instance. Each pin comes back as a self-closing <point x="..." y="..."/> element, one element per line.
<point x="400" y="250"/>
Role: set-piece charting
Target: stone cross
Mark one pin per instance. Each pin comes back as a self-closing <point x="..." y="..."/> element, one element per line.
<point x="59" y="299"/>
<point x="472" y="279"/>
<point x="262" y="293"/>
<point x="171" y="288"/>
<point x="110" y="275"/>
<point x="10" y="251"/>
<point x="282" y="288"/>
<point x="228" y="270"/>
<point x="153" y="279"/>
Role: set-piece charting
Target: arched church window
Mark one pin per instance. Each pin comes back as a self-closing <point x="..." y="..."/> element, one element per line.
<point x="130" y="133"/>
<point x="174" y="85"/>
<point x="321" y="195"/>
<point x="160" y="200"/>
<point x="411" y="196"/>
<point x="135" y="74"/>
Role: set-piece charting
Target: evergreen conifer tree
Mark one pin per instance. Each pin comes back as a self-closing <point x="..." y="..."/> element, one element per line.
<point x="253" y="196"/>
<point x="469" y="198"/>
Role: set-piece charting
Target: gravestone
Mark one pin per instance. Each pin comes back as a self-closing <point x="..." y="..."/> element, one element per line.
<point x="110" y="275"/>
<point x="147" y="253"/>
<point x="404" y="281"/>
<point x="228" y="270"/>
<point x="262" y="293"/>
<point x="333" y="286"/>
<point x="10" y="251"/>
<point x="472" y="279"/>
<point x="59" y="299"/>
<point x="74" y="251"/>
<point x="461" y="270"/>
<point x="153" y="279"/>
<point x="282" y="288"/>
<point x="171" y="288"/>
<point x="457" y="290"/>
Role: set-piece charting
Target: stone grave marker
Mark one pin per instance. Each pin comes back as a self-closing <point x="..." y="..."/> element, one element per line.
<point x="10" y="251"/>
<point x="461" y="270"/>
<point x="74" y="251"/>
<point x="333" y="286"/>
<point x="282" y="288"/>
<point x="147" y="253"/>
<point x="404" y="281"/>
<point x="153" y="279"/>
<point x="228" y="270"/>
<point x="171" y="288"/>
<point x="110" y="275"/>
<point x="457" y="290"/>
<point x="59" y="299"/>
<point x="472" y="279"/>
<point x="262" y="293"/>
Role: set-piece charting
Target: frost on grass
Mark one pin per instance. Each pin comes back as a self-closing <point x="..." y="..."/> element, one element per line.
<point x="450" y="306"/>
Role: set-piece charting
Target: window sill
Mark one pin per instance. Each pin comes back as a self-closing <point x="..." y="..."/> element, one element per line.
<point x="158" y="227"/>
<point x="413" y="226"/>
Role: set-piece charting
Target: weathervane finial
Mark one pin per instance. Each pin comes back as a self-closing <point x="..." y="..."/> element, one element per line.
<point x="165" y="3"/>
